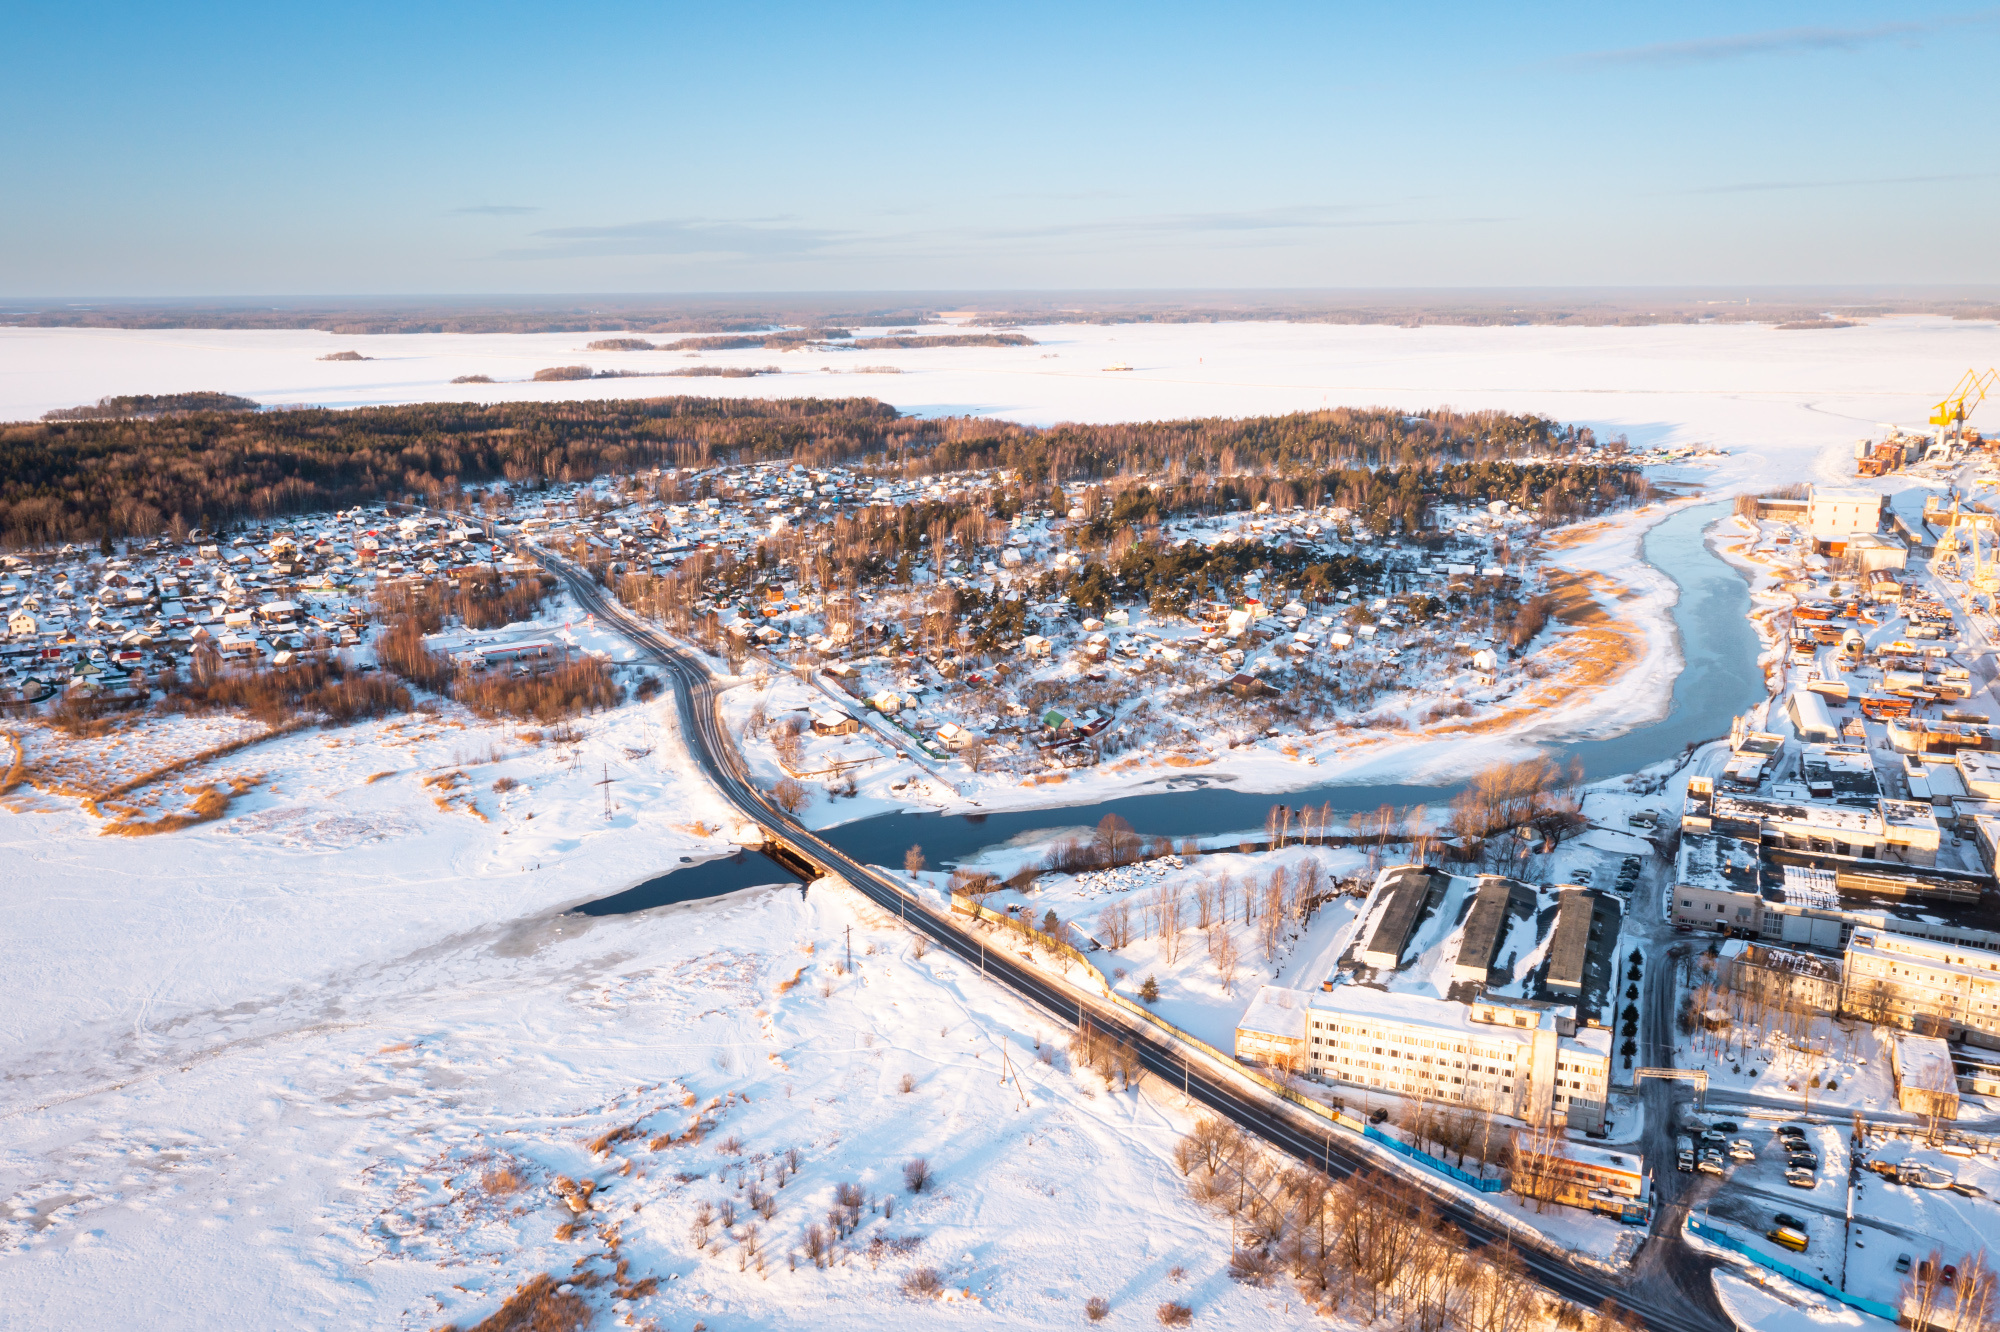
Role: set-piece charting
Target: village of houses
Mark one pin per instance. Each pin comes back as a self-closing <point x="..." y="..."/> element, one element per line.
<point x="1800" y="907"/>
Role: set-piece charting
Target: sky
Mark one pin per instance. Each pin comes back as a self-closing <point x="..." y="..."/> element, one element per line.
<point x="268" y="149"/>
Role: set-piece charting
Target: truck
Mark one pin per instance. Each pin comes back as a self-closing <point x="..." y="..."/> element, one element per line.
<point x="1785" y="1237"/>
<point x="1684" y="1154"/>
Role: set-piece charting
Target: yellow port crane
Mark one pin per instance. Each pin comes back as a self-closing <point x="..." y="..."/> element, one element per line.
<point x="1949" y="556"/>
<point x="1963" y="400"/>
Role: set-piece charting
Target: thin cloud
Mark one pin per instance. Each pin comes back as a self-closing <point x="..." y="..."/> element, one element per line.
<point x="1781" y="41"/>
<point x="1760" y="186"/>
<point x="497" y="210"/>
<point x="1248" y="223"/>
<point x="679" y="237"/>
<point x="778" y="240"/>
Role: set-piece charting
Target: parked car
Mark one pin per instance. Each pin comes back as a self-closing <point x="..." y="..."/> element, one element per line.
<point x="1714" y="1135"/>
<point x="1948" y="1275"/>
<point x="1807" y="1159"/>
<point x="1787" y="1219"/>
<point x="1742" y="1151"/>
<point x="1728" y="1126"/>
<point x="1801" y="1179"/>
<point x="1902" y="1263"/>
<point x="1708" y="1165"/>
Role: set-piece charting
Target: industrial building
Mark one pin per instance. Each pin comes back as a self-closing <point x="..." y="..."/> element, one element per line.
<point x="1400" y="899"/>
<point x="1569" y="947"/>
<point x="1926" y="1082"/>
<point x="1576" y="1174"/>
<point x="1486" y="926"/>
<point x="1834" y="514"/>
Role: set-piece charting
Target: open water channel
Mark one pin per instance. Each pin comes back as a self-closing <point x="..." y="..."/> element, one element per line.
<point x="1719" y="679"/>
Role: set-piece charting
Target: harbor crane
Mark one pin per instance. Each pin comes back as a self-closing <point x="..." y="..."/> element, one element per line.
<point x="1962" y="401"/>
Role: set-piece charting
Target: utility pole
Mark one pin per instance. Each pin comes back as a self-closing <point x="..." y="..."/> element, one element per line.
<point x="606" y="784"/>
<point x="850" y="949"/>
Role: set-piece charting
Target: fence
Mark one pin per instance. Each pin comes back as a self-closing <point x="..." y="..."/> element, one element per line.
<point x="1787" y="1271"/>
<point x="965" y="905"/>
<point x="1374" y="1134"/>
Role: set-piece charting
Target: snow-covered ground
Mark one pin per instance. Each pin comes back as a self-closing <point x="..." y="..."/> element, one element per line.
<point x="387" y="1147"/>
<point x="260" y="1069"/>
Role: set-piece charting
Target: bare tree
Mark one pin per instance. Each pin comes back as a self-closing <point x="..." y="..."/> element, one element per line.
<point x="1226" y="959"/>
<point x="1204" y="904"/>
<point x="790" y="795"/>
<point x="1539" y="1155"/>
<point x="1115" y="922"/>
<point x="1924" y="1291"/>
<point x="1170" y="921"/>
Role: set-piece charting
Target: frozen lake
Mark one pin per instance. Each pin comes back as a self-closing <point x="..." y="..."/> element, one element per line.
<point x="1788" y="403"/>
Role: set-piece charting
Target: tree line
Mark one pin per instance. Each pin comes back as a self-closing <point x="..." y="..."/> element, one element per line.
<point x="72" y="480"/>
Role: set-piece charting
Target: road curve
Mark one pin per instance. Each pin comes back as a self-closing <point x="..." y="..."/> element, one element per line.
<point x="711" y="747"/>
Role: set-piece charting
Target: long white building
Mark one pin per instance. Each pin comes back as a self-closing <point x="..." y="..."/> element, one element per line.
<point x="1513" y="1057"/>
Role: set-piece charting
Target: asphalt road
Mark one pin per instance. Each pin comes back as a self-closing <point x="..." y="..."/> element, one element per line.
<point x="1666" y="1305"/>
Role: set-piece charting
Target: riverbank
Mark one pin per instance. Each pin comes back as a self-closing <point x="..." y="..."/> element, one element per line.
<point x="1620" y="649"/>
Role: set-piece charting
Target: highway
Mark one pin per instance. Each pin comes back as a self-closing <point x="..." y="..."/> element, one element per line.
<point x="1676" y="1299"/>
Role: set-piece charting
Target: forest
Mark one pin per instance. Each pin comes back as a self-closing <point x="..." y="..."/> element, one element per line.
<point x="76" y="480"/>
<point x="155" y="404"/>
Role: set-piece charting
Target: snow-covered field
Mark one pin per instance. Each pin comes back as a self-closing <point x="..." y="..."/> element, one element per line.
<point x="258" y="1071"/>
<point x="390" y="1148"/>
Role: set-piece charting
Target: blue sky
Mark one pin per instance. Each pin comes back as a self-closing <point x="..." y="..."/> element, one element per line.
<point x="355" y="148"/>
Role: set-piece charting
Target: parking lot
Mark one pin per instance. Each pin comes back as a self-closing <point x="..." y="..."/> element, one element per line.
<point x="1896" y="1227"/>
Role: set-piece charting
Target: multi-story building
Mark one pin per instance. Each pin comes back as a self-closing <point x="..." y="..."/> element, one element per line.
<point x="1943" y="989"/>
<point x="1516" y="1057"/>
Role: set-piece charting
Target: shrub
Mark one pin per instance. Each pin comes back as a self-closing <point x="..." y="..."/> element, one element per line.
<point x="580" y="686"/>
<point x="501" y="1181"/>
<point x="1095" y="1308"/>
<point x="909" y="1083"/>
<point x="539" y="1306"/>
<point x="1149" y="989"/>
<point x="275" y="696"/>
<point x="923" y="1284"/>
<point x="1253" y="1267"/>
<point x="1173" y="1314"/>
<point x="504" y="783"/>
<point x="917" y="1175"/>
<point x="557" y="372"/>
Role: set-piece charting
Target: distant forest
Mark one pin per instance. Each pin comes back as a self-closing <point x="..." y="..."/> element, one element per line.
<point x="599" y="315"/>
<point x="78" y="480"/>
<point x="1802" y="307"/>
<point x="153" y="404"/>
<point x="798" y="337"/>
